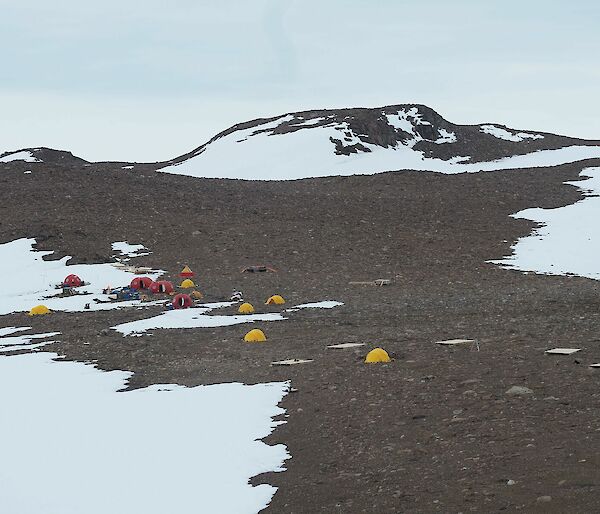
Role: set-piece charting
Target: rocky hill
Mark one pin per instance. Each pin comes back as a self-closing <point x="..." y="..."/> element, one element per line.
<point x="346" y="142"/>
<point x="367" y="141"/>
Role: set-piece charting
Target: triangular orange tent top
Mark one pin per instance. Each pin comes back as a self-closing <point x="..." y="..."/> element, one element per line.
<point x="186" y="272"/>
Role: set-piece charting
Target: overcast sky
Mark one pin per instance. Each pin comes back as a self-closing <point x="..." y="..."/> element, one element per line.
<point x="144" y="81"/>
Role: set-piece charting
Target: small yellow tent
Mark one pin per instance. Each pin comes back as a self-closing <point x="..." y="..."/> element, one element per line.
<point x="196" y="295"/>
<point x="255" y="336"/>
<point x="377" y="355"/>
<point x="39" y="309"/>
<point x="246" y="308"/>
<point x="275" y="300"/>
<point x="187" y="283"/>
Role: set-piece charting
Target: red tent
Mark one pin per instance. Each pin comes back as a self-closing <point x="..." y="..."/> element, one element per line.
<point x="141" y="283"/>
<point x="162" y="286"/>
<point x="182" y="301"/>
<point x="72" y="281"/>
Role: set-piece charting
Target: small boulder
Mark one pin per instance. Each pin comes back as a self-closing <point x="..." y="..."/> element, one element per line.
<point x="519" y="391"/>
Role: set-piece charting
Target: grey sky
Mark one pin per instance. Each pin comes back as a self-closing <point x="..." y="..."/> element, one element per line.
<point x="150" y="80"/>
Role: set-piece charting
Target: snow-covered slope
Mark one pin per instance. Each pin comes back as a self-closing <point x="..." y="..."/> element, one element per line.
<point x="568" y="238"/>
<point x="368" y="141"/>
<point x="23" y="155"/>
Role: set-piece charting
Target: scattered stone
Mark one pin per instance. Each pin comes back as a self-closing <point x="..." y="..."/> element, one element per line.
<point x="519" y="391"/>
<point x="510" y="482"/>
<point x="544" y="499"/>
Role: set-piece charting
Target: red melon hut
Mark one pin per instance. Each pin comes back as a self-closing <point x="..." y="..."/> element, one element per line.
<point x="182" y="301"/>
<point x="162" y="286"/>
<point x="141" y="283"/>
<point x="72" y="281"/>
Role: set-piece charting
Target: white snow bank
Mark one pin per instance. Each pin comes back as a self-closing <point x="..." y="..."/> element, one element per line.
<point x="129" y="250"/>
<point x="197" y="317"/>
<point x="501" y="133"/>
<point x="11" y="330"/>
<point x="327" y="304"/>
<point x="24" y="339"/>
<point x="32" y="280"/>
<point x="568" y="240"/>
<point x="14" y="343"/>
<point x="76" y="445"/>
<point x="192" y="318"/>
<point x="408" y="120"/>
<point x="309" y="152"/>
<point x="25" y="155"/>
<point x="445" y="137"/>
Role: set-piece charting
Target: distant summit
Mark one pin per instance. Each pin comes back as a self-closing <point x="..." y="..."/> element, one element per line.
<point x="362" y="140"/>
<point x="46" y="155"/>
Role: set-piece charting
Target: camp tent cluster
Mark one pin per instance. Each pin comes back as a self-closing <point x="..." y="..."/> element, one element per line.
<point x="138" y="289"/>
<point x="180" y="300"/>
<point x="256" y="335"/>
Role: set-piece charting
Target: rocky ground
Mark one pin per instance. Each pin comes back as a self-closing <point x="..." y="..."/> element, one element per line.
<point x="432" y="431"/>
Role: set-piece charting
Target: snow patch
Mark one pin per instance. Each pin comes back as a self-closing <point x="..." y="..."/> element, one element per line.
<point x="129" y="250"/>
<point x="24" y="155"/>
<point x="24" y="339"/>
<point x="501" y="133"/>
<point x="12" y="330"/>
<point x="33" y="280"/>
<point x="568" y="239"/>
<point x="406" y="121"/>
<point x="445" y="137"/>
<point x="164" y="448"/>
<point x="327" y="304"/>
<point x="192" y="318"/>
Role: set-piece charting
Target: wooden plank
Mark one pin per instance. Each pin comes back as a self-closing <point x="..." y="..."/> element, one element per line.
<point x="562" y="351"/>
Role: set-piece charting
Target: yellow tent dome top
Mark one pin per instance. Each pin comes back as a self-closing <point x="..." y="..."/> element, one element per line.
<point x="275" y="300"/>
<point x="187" y="283"/>
<point x="377" y="355"/>
<point x="39" y="309"/>
<point x="255" y="336"/>
<point x="196" y="295"/>
<point x="246" y="308"/>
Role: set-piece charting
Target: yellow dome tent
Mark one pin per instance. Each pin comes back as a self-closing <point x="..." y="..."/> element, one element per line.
<point x="246" y="308"/>
<point x="39" y="309"/>
<point x="196" y="295"/>
<point x="377" y="355"/>
<point x="187" y="283"/>
<point x="255" y="336"/>
<point x="275" y="300"/>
